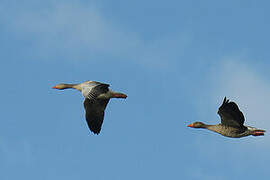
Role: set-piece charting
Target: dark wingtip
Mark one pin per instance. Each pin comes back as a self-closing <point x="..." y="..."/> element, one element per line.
<point x="95" y="132"/>
<point x="224" y="100"/>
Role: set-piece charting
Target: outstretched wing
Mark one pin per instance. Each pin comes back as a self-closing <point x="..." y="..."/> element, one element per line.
<point x="230" y="114"/>
<point x="94" y="113"/>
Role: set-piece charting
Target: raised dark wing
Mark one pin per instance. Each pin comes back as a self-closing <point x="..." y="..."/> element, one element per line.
<point x="230" y="114"/>
<point x="97" y="90"/>
<point x="94" y="113"/>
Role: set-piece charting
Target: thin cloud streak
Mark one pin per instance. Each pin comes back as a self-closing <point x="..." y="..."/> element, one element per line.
<point x="242" y="84"/>
<point x="69" y="26"/>
<point x="75" y="31"/>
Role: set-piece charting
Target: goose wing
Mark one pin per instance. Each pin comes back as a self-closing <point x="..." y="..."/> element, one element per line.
<point x="94" y="113"/>
<point x="98" y="89"/>
<point x="230" y="114"/>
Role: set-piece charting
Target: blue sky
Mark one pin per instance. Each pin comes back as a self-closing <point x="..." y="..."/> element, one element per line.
<point x="176" y="60"/>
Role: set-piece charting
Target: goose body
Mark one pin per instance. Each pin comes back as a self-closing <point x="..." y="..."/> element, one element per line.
<point x="97" y="95"/>
<point x="232" y="122"/>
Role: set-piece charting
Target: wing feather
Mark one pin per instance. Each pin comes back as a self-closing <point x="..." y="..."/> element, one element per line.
<point x="230" y="114"/>
<point x="97" y="90"/>
<point x="94" y="113"/>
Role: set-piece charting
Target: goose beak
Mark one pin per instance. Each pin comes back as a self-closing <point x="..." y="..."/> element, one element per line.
<point x="190" y="125"/>
<point x="54" y="87"/>
<point x="124" y="96"/>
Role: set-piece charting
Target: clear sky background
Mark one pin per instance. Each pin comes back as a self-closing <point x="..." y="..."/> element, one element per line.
<point x="176" y="60"/>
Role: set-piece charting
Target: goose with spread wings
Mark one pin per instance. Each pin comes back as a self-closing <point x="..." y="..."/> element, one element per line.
<point x="232" y="122"/>
<point x="97" y="96"/>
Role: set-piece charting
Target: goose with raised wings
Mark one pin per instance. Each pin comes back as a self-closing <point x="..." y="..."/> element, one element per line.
<point x="232" y="122"/>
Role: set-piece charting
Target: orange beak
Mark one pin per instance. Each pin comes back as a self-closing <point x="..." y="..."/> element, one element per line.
<point x="54" y="87"/>
<point x="124" y="96"/>
<point x="190" y="125"/>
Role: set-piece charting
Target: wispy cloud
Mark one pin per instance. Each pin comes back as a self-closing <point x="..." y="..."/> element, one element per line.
<point x="74" y="30"/>
<point x="246" y="86"/>
<point x="69" y="27"/>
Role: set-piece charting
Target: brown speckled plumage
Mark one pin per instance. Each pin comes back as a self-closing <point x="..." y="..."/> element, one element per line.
<point x="232" y="122"/>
